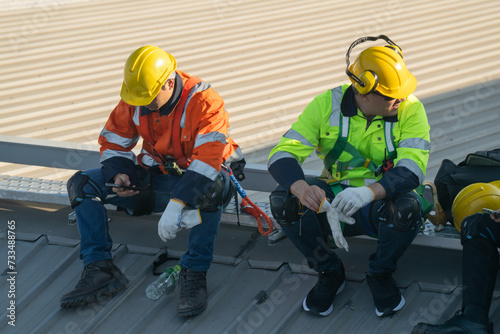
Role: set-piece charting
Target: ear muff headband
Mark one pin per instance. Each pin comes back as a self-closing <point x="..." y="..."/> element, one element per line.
<point x="368" y="80"/>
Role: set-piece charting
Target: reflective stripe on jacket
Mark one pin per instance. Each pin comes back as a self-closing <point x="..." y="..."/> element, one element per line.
<point x="204" y="132"/>
<point x="317" y="128"/>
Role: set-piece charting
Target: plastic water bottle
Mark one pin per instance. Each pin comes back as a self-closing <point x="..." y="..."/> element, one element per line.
<point x="165" y="284"/>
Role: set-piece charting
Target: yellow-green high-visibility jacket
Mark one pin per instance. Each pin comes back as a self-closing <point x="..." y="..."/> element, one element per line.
<point x="318" y="128"/>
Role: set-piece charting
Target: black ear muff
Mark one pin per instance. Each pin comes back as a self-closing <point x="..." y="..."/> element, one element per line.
<point x="370" y="79"/>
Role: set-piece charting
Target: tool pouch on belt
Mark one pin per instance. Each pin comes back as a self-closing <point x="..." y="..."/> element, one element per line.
<point x="285" y="207"/>
<point x="144" y="202"/>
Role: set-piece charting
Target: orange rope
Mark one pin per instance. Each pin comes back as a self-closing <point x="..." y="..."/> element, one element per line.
<point x="249" y="207"/>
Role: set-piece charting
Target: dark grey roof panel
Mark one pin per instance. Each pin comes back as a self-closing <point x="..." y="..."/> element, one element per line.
<point x="253" y="287"/>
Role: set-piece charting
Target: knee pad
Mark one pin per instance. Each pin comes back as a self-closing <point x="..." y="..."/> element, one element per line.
<point x="75" y="188"/>
<point x="401" y="213"/>
<point x="218" y="195"/>
<point x="285" y="208"/>
<point x="229" y="190"/>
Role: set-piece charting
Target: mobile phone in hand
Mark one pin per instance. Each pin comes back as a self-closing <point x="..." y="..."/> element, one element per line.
<point x="115" y="185"/>
<point x="492" y="212"/>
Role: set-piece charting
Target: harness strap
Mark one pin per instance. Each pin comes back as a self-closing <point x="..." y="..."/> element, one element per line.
<point x="179" y="156"/>
<point x="339" y="147"/>
<point x="181" y="160"/>
<point x="358" y="160"/>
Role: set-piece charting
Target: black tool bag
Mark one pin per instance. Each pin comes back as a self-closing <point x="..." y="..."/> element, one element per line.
<point x="481" y="166"/>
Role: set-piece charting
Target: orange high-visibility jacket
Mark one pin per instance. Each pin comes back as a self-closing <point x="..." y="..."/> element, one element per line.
<point x="204" y="138"/>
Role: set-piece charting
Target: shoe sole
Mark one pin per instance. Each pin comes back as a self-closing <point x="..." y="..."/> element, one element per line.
<point x="394" y="310"/>
<point x="112" y="288"/>
<point x="194" y="312"/>
<point x="324" y="313"/>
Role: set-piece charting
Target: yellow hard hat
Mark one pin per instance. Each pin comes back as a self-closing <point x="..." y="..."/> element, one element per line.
<point x="496" y="183"/>
<point x="146" y="71"/>
<point x="382" y="68"/>
<point x="472" y="199"/>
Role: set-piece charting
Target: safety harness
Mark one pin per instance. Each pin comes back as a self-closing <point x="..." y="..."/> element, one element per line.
<point x="180" y="161"/>
<point x="179" y="156"/>
<point x="359" y="160"/>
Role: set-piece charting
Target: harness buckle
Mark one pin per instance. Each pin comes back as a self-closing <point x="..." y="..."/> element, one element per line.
<point x="387" y="164"/>
<point x="171" y="166"/>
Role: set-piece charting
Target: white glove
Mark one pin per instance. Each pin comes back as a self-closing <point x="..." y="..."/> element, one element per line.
<point x="190" y="218"/>
<point x="334" y="217"/>
<point x="352" y="199"/>
<point x="170" y="220"/>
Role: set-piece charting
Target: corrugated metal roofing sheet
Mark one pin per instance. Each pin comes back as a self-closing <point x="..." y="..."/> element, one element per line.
<point x="62" y="63"/>
<point x="253" y="287"/>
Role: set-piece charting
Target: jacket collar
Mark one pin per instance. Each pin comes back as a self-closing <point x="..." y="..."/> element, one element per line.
<point x="349" y="109"/>
<point x="168" y="107"/>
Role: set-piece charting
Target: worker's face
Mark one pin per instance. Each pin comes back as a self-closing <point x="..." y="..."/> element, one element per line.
<point x="163" y="96"/>
<point x="374" y="104"/>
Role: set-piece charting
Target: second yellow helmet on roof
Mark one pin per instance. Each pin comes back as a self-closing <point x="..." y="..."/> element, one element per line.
<point x="473" y="198"/>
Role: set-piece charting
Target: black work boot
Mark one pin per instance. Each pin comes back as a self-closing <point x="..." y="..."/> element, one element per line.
<point x="385" y="292"/>
<point x="459" y="324"/>
<point x="193" y="292"/>
<point x="98" y="278"/>
<point x="319" y="300"/>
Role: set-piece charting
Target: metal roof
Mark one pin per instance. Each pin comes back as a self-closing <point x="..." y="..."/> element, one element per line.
<point x="62" y="62"/>
<point x="61" y="65"/>
<point x="253" y="287"/>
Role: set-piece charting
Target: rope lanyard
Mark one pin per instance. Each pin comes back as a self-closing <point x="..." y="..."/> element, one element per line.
<point x="249" y="207"/>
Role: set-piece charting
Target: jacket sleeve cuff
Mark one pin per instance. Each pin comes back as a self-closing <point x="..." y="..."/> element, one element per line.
<point x="398" y="180"/>
<point x="118" y="165"/>
<point x="286" y="171"/>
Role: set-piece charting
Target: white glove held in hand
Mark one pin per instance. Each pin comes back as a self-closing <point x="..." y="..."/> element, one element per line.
<point x="352" y="199"/>
<point x="190" y="218"/>
<point x="334" y="217"/>
<point x="170" y="220"/>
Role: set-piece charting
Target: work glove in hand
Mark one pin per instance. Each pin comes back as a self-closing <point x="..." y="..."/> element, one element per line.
<point x="170" y="220"/>
<point x="334" y="217"/>
<point x="352" y="199"/>
<point x="190" y="218"/>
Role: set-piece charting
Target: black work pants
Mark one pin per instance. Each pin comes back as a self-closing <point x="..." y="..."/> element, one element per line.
<point x="480" y="239"/>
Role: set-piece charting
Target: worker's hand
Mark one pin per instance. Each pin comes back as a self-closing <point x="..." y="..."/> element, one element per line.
<point x="125" y="180"/>
<point x="310" y="196"/>
<point x="170" y="220"/>
<point x="334" y="217"/>
<point x="352" y="199"/>
<point x="190" y="218"/>
<point x="496" y="219"/>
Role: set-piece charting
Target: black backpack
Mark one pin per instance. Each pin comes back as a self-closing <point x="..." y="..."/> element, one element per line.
<point x="481" y="166"/>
